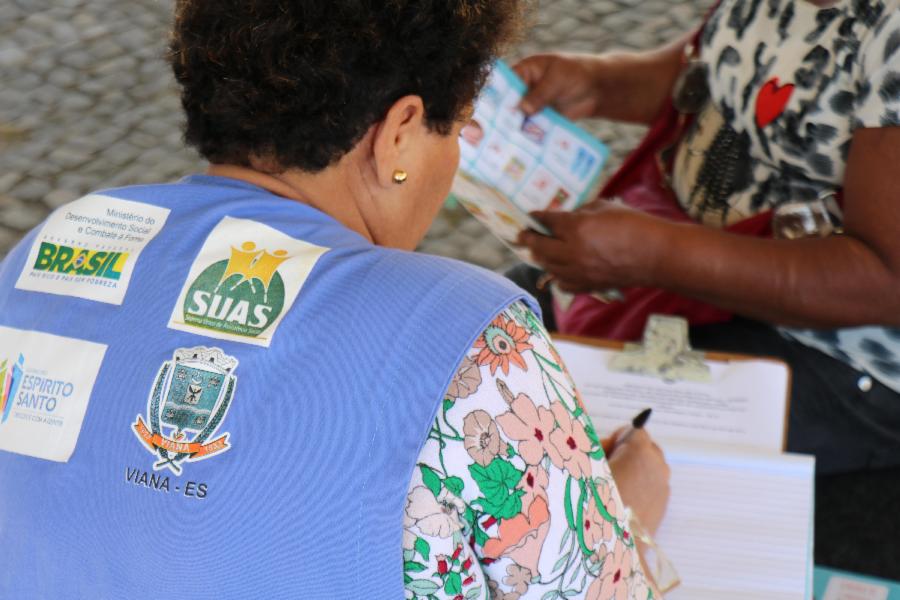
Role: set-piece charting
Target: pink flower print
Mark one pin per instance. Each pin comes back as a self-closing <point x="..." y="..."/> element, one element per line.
<point x="639" y="587"/>
<point x="409" y="538"/>
<point x="530" y="426"/>
<point x="466" y="380"/>
<point x="597" y="529"/>
<point x="435" y="516"/>
<point x="570" y="444"/>
<point x="482" y="440"/>
<point x="495" y="593"/>
<point x="534" y="482"/>
<point x="518" y="578"/>
<point x="613" y="579"/>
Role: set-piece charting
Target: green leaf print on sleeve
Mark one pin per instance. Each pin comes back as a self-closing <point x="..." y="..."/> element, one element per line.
<point x="496" y="478"/>
<point x="497" y="483"/>
<point x="431" y="480"/>
<point x="473" y="593"/>
<point x="423" y="548"/>
<point x="472" y="519"/>
<point x="511" y="462"/>
<point x="414" y="567"/>
<point x="422" y="587"/>
<point x="453" y="585"/>
<point x="455" y="485"/>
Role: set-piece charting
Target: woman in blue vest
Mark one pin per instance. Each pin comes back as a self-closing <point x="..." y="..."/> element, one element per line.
<point x="258" y="390"/>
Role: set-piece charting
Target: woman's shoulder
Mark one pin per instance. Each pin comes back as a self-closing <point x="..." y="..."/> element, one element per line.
<point x="468" y="276"/>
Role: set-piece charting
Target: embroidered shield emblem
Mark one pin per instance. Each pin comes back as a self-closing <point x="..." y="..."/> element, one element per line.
<point x="188" y="402"/>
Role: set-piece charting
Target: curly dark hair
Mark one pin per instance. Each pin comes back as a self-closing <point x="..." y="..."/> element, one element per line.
<point x="299" y="82"/>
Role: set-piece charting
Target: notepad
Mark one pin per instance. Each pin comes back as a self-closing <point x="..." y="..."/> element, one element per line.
<point x="739" y="524"/>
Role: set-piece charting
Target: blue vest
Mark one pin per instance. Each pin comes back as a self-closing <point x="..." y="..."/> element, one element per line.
<point x="281" y="471"/>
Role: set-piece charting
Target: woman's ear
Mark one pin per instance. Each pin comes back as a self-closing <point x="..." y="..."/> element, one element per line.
<point x="396" y="137"/>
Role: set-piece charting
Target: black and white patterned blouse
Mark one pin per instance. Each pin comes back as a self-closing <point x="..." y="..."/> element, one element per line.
<point x="790" y="82"/>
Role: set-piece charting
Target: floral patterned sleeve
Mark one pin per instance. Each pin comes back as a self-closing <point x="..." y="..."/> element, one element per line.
<point x="513" y="498"/>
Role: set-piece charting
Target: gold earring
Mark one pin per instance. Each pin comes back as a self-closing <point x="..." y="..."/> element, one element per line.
<point x="400" y="176"/>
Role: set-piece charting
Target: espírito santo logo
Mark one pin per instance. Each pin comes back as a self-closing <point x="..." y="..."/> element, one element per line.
<point x="242" y="295"/>
<point x="10" y="379"/>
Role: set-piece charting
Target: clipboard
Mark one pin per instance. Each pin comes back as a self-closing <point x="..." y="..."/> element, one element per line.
<point x="678" y="327"/>
<point x="714" y="537"/>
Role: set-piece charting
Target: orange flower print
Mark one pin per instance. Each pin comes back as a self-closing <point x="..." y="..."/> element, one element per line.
<point x="503" y="342"/>
<point x="522" y="537"/>
<point x="614" y="577"/>
<point x="570" y="444"/>
<point x="529" y="425"/>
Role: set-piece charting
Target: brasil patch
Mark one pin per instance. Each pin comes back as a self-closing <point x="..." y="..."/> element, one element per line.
<point x="88" y="248"/>
<point x="242" y="283"/>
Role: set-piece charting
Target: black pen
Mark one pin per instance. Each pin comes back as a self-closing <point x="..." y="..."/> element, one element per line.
<point x="637" y="422"/>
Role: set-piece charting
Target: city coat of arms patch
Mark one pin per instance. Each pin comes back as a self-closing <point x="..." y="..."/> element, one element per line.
<point x="189" y="400"/>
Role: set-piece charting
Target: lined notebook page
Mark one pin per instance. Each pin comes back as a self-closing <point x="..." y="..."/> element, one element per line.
<point x="739" y="526"/>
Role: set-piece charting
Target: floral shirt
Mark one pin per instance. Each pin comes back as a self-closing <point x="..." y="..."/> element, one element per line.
<point x="513" y="496"/>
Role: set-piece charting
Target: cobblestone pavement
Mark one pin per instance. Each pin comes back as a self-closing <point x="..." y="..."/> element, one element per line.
<point x="86" y="100"/>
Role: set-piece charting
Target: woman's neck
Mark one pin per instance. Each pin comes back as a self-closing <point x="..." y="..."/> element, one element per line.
<point x="325" y="191"/>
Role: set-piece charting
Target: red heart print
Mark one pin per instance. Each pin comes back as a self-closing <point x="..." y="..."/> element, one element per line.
<point x="771" y="100"/>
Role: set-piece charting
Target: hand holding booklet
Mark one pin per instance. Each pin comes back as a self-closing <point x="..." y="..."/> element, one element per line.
<point x="512" y="164"/>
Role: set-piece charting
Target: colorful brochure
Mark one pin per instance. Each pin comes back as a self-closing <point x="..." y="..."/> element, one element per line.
<point x="512" y="164"/>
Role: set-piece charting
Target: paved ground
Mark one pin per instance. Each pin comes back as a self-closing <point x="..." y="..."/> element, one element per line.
<point x="86" y="100"/>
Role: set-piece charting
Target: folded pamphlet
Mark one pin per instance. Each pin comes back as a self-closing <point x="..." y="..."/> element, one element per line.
<point x="512" y="164"/>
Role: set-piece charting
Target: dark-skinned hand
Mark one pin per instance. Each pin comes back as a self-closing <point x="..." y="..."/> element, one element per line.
<point x="599" y="247"/>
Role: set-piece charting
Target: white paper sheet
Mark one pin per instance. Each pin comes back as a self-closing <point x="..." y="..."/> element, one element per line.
<point x="738" y="525"/>
<point x="740" y="516"/>
<point x="743" y="405"/>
